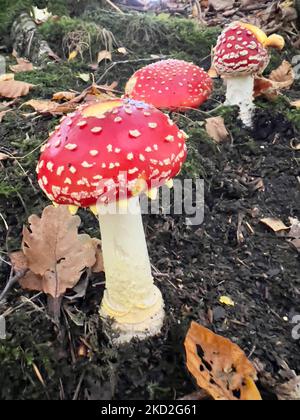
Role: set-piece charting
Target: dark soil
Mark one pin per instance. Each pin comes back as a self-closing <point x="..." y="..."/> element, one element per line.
<point x="194" y="267"/>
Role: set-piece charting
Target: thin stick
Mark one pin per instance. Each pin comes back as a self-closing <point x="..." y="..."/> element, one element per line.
<point x="115" y="7"/>
<point x="11" y="282"/>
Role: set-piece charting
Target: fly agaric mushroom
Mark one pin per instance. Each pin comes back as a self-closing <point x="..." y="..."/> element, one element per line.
<point x="170" y="84"/>
<point x="106" y="153"/>
<point x="240" y="54"/>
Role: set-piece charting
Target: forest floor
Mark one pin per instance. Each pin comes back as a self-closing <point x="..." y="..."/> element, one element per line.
<point x="193" y="266"/>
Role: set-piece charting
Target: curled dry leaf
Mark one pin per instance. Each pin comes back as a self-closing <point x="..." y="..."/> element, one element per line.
<point x="220" y="5"/>
<point x="44" y="106"/>
<point x="104" y="55"/>
<point x="280" y="79"/>
<point x="220" y="367"/>
<point x="63" y="96"/>
<point x="275" y="224"/>
<point x="14" y="89"/>
<point x="216" y="129"/>
<point x="7" y="76"/>
<point x="55" y="251"/>
<point x="22" y="66"/>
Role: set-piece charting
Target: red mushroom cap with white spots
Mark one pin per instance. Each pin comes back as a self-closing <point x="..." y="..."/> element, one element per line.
<point x="238" y="52"/>
<point x="110" y="151"/>
<point x="170" y="84"/>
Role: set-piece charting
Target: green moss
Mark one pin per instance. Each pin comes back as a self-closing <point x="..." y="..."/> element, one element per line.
<point x="53" y="78"/>
<point x="139" y="33"/>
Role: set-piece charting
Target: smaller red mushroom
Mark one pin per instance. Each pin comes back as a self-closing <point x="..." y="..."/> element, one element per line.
<point x="170" y="84"/>
<point x="242" y="53"/>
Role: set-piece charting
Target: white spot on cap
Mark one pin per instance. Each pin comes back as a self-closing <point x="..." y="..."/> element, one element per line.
<point x="71" y="146"/>
<point x="57" y="143"/>
<point x="117" y="150"/>
<point x="152" y="125"/>
<point x="148" y="149"/>
<point x="135" y="133"/>
<point x="45" y="180"/>
<point x="60" y="170"/>
<point x="81" y="124"/>
<point x="49" y="166"/>
<point x="109" y="148"/>
<point x="94" y="152"/>
<point x="72" y="170"/>
<point x="96" y="130"/>
<point x="169" y="138"/>
<point x="68" y="181"/>
<point x="87" y="165"/>
<point x="142" y="157"/>
<point x="132" y="171"/>
<point x="118" y="119"/>
<point x="130" y="156"/>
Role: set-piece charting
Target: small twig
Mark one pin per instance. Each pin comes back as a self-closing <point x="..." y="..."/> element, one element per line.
<point x="11" y="282"/>
<point x="4" y="221"/>
<point x="115" y="7"/>
<point x="112" y="65"/>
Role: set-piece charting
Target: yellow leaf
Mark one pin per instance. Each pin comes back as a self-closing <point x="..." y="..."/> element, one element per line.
<point x="296" y="103"/>
<point x="72" y="55"/>
<point x="84" y="76"/>
<point x="225" y="300"/>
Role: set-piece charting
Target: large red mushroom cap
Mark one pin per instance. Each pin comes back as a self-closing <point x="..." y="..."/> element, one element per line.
<point x="109" y="151"/>
<point x="170" y="84"/>
<point x="240" y="51"/>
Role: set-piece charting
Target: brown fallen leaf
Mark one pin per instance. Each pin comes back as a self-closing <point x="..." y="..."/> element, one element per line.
<point x="19" y="264"/>
<point x="219" y="5"/>
<point x="216" y="129"/>
<point x="280" y="79"/>
<point x="14" y="89"/>
<point x="63" y="96"/>
<point x="104" y="55"/>
<point x="219" y="366"/>
<point x="275" y="224"/>
<point x="55" y="251"/>
<point x="22" y="66"/>
<point x="7" y="76"/>
<point x="44" y="106"/>
<point x="91" y="94"/>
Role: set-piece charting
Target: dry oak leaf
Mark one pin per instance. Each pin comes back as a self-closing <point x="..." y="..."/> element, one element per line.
<point x="19" y="264"/>
<point x="22" y="66"/>
<point x="216" y="129"/>
<point x="44" y="106"/>
<point x="14" y="89"/>
<point x="55" y="251"/>
<point x="63" y="96"/>
<point x="7" y="76"/>
<point x="220" y="367"/>
<point x="280" y="79"/>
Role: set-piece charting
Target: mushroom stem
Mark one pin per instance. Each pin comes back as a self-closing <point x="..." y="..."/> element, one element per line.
<point x="240" y="92"/>
<point x="130" y="298"/>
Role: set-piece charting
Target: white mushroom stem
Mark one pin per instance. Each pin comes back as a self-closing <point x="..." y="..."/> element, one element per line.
<point x="240" y="92"/>
<point x="130" y="298"/>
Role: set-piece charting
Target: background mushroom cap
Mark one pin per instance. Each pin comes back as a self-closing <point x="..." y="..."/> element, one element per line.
<point x="238" y="52"/>
<point x="108" y="151"/>
<point x="170" y="84"/>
